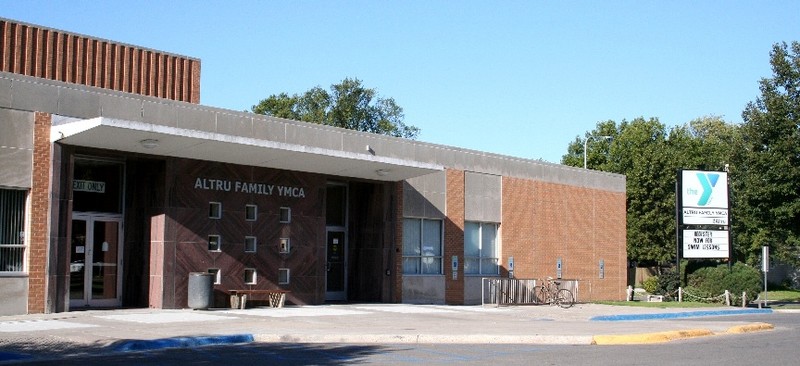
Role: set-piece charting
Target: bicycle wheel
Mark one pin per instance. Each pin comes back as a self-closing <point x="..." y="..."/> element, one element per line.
<point x="542" y="297"/>
<point x="564" y="298"/>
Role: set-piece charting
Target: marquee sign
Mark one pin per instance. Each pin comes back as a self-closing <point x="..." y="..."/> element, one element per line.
<point x="704" y="198"/>
<point x="705" y="244"/>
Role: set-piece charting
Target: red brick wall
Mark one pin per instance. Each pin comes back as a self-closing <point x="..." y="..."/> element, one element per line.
<point x="454" y="237"/>
<point x="56" y="55"/>
<point x="39" y="213"/>
<point x="544" y="221"/>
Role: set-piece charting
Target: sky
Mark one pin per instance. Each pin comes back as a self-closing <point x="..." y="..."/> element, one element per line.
<point x="518" y="78"/>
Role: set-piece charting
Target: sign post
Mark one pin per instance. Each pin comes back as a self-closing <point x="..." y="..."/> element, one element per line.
<point x="765" y="268"/>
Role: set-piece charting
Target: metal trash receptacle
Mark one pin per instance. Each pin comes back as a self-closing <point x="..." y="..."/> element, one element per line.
<point x="201" y="290"/>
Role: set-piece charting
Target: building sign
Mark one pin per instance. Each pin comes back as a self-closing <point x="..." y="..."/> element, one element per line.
<point x="705" y="244"/>
<point x="88" y="186"/>
<point x="702" y="216"/>
<point x="249" y="187"/>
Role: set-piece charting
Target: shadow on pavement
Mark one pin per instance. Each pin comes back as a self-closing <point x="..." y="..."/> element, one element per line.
<point x="67" y="353"/>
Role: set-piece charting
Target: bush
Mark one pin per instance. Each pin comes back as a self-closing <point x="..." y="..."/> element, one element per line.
<point x="713" y="281"/>
<point x="668" y="283"/>
<point x="650" y="284"/>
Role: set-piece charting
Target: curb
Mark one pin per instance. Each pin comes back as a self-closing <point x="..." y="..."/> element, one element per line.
<point x="747" y="328"/>
<point x="425" y="339"/>
<point x="661" y="337"/>
<point x="684" y="314"/>
<point x="644" y="338"/>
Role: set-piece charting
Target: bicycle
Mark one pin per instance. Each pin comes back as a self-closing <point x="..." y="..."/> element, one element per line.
<point x="550" y="293"/>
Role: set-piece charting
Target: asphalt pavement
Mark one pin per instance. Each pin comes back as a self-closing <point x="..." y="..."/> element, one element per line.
<point x="39" y="336"/>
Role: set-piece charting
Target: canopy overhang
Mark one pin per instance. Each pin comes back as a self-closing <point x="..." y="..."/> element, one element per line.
<point x="153" y="139"/>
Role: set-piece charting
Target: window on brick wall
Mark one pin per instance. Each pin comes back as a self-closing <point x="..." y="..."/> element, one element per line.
<point x="422" y="246"/>
<point x="480" y="248"/>
<point x="12" y="230"/>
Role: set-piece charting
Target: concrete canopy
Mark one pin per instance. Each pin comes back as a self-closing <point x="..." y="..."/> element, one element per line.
<point x="153" y="139"/>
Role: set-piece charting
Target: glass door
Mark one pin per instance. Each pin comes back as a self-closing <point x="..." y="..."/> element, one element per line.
<point x="95" y="260"/>
<point x="335" y="278"/>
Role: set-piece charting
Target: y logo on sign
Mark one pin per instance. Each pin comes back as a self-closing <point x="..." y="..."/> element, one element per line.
<point x="708" y="181"/>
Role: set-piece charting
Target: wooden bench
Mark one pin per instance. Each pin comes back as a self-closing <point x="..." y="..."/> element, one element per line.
<point x="239" y="297"/>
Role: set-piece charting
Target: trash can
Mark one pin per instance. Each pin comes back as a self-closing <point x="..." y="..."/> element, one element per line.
<point x="201" y="290"/>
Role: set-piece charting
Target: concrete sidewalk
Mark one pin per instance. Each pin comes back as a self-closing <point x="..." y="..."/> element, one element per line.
<point x="98" y="331"/>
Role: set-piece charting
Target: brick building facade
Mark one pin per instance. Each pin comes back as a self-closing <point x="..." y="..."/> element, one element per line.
<point x="117" y="185"/>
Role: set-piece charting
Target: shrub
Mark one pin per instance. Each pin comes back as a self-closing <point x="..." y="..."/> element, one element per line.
<point x="713" y="281"/>
<point x="668" y="283"/>
<point x="650" y="284"/>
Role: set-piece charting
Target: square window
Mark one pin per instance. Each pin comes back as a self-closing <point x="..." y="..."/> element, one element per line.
<point x="250" y="212"/>
<point x="214" y="243"/>
<point x="286" y="215"/>
<point x="214" y="210"/>
<point x="217" y="275"/>
<point x="285" y="245"/>
<point x="283" y="276"/>
<point x="422" y="246"/>
<point x="250" y="276"/>
<point x="250" y="244"/>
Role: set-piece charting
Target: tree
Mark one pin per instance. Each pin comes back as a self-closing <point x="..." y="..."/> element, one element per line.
<point x="650" y="157"/>
<point x="348" y="105"/>
<point x="767" y="163"/>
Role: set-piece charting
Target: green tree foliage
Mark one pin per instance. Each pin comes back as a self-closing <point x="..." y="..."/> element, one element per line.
<point x="649" y="156"/>
<point x="347" y="105"/>
<point x="766" y="169"/>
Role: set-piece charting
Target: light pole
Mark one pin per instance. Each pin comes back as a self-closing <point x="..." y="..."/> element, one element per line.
<point x="585" y="142"/>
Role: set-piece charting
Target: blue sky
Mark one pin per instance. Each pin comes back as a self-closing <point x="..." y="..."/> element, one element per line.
<point x="520" y="78"/>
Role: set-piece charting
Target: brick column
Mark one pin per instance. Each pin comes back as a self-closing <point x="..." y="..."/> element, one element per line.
<point x="39" y="214"/>
<point x="397" y="276"/>
<point x="454" y="237"/>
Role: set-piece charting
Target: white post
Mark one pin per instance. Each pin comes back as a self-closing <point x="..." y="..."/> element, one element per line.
<point x="727" y="298"/>
<point x="680" y="294"/>
<point x="744" y="299"/>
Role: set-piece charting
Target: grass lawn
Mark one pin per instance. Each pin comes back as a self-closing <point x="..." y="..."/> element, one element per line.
<point x="782" y="295"/>
<point x="664" y="305"/>
<point x="784" y="299"/>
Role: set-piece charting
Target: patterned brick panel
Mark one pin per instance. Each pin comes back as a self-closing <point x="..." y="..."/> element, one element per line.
<point x="57" y="55"/>
<point x="40" y="213"/>
<point x="188" y="226"/>
<point x="543" y="222"/>
<point x="454" y="237"/>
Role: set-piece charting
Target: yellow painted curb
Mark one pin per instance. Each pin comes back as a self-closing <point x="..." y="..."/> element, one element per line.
<point x="645" y="338"/>
<point x="753" y="327"/>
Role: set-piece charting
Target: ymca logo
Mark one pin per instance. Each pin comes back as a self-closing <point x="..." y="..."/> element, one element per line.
<point x="708" y="181"/>
<point x="707" y="189"/>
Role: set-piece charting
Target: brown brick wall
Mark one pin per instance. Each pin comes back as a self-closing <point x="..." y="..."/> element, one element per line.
<point x="56" y="55"/>
<point x="397" y="295"/>
<point x="544" y="221"/>
<point x="39" y="214"/>
<point x="454" y="237"/>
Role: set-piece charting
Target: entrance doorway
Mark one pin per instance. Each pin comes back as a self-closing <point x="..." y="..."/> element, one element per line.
<point x="95" y="260"/>
<point x="95" y="278"/>
<point x="336" y="242"/>
<point x="336" y="264"/>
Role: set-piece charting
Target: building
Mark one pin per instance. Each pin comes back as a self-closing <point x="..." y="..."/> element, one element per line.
<point x="116" y="185"/>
